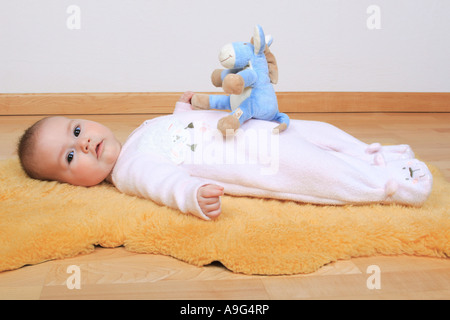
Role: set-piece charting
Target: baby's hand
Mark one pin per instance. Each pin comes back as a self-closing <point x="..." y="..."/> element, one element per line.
<point x="186" y="97"/>
<point x="208" y="197"/>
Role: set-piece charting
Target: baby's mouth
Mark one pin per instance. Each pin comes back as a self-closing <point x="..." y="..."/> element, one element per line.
<point x="99" y="149"/>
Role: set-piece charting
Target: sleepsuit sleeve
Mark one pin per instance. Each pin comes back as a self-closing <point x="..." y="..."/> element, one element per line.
<point x="161" y="181"/>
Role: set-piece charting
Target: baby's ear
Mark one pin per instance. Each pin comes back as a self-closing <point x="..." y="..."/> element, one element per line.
<point x="259" y="40"/>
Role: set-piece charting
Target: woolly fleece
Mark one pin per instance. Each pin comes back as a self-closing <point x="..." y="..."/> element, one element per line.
<point x="42" y="221"/>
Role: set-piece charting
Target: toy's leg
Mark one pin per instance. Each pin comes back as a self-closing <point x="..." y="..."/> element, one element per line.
<point x="200" y="101"/>
<point x="229" y="124"/>
<point x="204" y="101"/>
<point x="243" y="112"/>
<point x="284" y="120"/>
<point x="221" y="102"/>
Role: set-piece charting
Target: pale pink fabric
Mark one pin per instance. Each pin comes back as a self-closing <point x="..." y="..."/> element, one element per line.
<point x="168" y="158"/>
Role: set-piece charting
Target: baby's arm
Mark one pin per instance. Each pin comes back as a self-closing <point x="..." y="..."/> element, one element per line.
<point x="208" y="196"/>
<point x="168" y="184"/>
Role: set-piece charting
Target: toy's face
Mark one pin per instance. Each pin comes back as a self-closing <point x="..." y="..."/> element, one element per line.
<point x="236" y="55"/>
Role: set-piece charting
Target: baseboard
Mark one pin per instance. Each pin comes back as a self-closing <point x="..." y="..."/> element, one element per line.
<point x="162" y="103"/>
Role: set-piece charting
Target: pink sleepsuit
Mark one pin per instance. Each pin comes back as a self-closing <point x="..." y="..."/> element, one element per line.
<point x="168" y="158"/>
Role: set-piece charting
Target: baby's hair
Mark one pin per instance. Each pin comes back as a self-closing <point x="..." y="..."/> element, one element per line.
<point x="26" y="147"/>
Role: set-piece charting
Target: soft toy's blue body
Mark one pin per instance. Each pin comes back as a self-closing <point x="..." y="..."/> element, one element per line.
<point x="258" y="99"/>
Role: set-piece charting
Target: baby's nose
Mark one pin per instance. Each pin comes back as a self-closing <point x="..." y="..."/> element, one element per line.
<point x="85" y="144"/>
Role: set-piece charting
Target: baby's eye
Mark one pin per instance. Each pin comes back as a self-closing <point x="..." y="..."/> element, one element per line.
<point x="70" y="157"/>
<point x="77" y="131"/>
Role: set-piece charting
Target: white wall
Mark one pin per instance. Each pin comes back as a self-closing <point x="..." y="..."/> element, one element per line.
<point x="172" y="45"/>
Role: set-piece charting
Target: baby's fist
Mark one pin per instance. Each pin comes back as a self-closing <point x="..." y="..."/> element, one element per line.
<point x="186" y="97"/>
<point x="208" y="197"/>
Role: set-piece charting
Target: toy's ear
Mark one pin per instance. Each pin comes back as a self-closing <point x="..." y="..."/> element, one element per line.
<point x="269" y="40"/>
<point x="259" y="40"/>
<point x="271" y="61"/>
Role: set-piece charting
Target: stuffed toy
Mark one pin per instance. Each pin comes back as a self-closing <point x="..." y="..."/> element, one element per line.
<point x="250" y="71"/>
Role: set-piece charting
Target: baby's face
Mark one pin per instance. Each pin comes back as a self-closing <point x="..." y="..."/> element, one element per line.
<point x="79" y="152"/>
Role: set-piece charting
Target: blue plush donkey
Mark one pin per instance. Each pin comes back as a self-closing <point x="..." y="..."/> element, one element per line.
<point x="246" y="79"/>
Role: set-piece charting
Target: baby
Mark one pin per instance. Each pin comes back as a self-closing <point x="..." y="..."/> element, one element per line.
<point x="183" y="162"/>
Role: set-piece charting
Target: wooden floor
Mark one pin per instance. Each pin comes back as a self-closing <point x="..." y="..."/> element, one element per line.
<point x="119" y="274"/>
